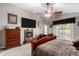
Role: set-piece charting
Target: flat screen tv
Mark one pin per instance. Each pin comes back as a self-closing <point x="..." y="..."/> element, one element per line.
<point x="28" y="23"/>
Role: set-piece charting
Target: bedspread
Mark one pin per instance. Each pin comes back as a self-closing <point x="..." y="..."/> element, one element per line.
<point x="56" y="48"/>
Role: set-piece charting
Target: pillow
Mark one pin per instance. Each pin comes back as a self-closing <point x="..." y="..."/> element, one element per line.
<point x="34" y="44"/>
<point x="40" y="36"/>
<point x="76" y="45"/>
<point x="54" y="36"/>
<point x="45" y="39"/>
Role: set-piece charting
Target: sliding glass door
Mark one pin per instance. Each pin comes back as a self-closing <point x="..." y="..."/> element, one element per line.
<point x="64" y="31"/>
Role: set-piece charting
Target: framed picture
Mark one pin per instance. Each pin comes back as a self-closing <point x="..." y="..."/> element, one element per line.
<point x="12" y="19"/>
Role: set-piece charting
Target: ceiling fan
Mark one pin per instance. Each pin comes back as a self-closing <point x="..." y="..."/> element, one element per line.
<point x="51" y="11"/>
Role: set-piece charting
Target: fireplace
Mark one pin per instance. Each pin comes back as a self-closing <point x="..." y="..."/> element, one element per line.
<point x="28" y="34"/>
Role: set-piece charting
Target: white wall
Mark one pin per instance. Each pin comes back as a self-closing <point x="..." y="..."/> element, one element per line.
<point x="6" y="8"/>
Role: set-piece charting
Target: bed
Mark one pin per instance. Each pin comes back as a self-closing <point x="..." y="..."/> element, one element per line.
<point x="23" y="50"/>
<point x="56" y="48"/>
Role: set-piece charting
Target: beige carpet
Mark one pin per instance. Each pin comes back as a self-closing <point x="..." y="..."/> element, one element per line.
<point x="1" y="51"/>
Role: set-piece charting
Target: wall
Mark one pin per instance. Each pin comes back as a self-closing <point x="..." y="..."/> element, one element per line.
<point x="6" y="8"/>
<point x="2" y="37"/>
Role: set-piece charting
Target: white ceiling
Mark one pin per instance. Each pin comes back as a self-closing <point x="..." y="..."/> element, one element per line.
<point x="33" y="7"/>
<point x="41" y="7"/>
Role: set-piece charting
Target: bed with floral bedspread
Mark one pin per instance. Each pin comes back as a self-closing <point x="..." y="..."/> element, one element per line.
<point x="56" y="48"/>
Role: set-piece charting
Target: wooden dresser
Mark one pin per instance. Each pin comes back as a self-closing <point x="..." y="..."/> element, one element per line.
<point x="12" y="37"/>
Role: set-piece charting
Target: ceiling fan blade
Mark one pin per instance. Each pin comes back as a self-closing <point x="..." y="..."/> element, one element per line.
<point x="39" y="13"/>
<point x="58" y="12"/>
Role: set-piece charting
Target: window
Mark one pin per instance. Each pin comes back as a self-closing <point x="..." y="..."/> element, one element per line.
<point x="64" y="31"/>
<point x="45" y="29"/>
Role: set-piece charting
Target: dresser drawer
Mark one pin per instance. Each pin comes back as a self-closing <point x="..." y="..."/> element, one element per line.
<point x="11" y="30"/>
<point x="12" y="37"/>
<point x="12" y="40"/>
<point x="12" y="45"/>
<point x="12" y="34"/>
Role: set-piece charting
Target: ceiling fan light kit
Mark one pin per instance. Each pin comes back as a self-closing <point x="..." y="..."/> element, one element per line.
<point x="48" y="15"/>
<point x="50" y="11"/>
<point x="55" y="13"/>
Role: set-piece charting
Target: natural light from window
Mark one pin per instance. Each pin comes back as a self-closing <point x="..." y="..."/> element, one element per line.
<point x="45" y="29"/>
<point x="64" y="31"/>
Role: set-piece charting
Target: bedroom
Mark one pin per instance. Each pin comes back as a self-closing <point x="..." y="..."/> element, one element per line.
<point x="11" y="15"/>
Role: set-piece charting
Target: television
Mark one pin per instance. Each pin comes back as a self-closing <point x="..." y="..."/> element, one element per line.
<point x="28" y="23"/>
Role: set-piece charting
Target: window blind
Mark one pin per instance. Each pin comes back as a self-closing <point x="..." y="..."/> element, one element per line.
<point x="64" y="21"/>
